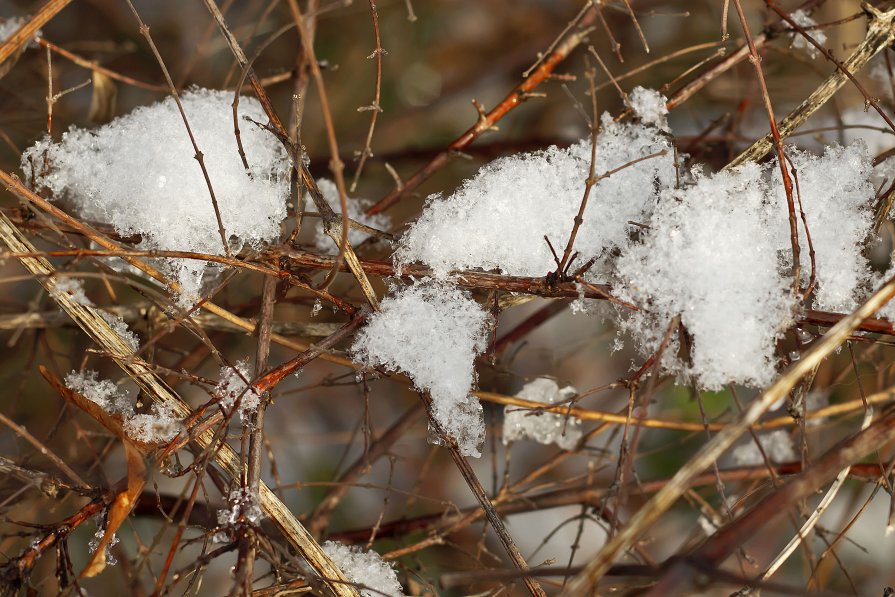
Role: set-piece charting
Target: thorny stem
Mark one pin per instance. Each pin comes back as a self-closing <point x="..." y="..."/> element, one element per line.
<point x="590" y="73"/>
<point x="256" y="427"/>
<point x="484" y="501"/>
<point x="335" y="163"/>
<point x="375" y="108"/>
<point x="487" y="120"/>
<point x="198" y="155"/>
<point x="755" y="59"/>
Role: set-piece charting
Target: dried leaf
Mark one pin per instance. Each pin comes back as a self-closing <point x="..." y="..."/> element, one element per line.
<point x="104" y="98"/>
<point x="112" y="422"/>
<point x="120" y="508"/>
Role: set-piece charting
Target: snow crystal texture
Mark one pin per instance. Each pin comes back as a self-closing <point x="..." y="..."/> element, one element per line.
<point x="837" y="195"/>
<point x="366" y="569"/>
<point x="138" y="174"/>
<point x="232" y="387"/>
<point x="710" y="256"/>
<point x="432" y="331"/>
<point x="545" y="428"/>
<point x="649" y="106"/>
<point x="498" y="219"/>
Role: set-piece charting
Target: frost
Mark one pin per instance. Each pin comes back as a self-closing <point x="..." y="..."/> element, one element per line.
<point x="373" y="576"/>
<point x="159" y="426"/>
<point x="498" y="219"/>
<point x="232" y="387"/>
<point x="710" y="256"/>
<point x="836" y="194"/>
<point x="74" y="289"/>
<point x="243" y="509"/>
<point x="777" y="445"/>
<point x="356" y="211"/>
<point x="432" y="331"/>
<point x="120" y="328"/>
<point x="243" y="506"/>
<point x="798" y="41"/>
<point x="649" y="106"/>
<point x="138" y="174"/>
<point x="97" y="538"/>
<point x="101" y="391"/>
<point x="544" y="428"/>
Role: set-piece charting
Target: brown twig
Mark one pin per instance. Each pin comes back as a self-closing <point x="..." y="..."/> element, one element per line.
<point x="488" y="119"/>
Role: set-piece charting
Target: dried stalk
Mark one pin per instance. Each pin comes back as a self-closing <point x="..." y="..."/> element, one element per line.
<point x="650" y="512"/>
<point x="89" y="319"/>
<point x="880" y="34"/>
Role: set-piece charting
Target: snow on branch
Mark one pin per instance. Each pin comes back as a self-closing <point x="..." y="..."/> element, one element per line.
<point x="498" y="218"/>
<point x="138" y="174"/>
<point x="432" y="331"/>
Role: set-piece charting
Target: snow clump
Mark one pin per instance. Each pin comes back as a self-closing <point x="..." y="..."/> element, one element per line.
<point x="9" y="26"/>
<point x="432" y="331"/>
<point x="374" y="576"/>
<point x="160" y="425"/>
<point x="498" y="218"/>
<point x="836" y="194"/>
<point x="138" y="174"/>
<point x="649" y="106"/>
<point x="233" y="386"/>
<point x="101" y="391"/>
<point x="74" y="289"/>
<point x="713" y="261"/>
<point x="546" y="427"/>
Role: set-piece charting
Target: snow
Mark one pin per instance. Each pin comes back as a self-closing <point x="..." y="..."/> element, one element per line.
<point x="103" y="392"/>
<point x="777" y="446"/>
<point x="13" y="24"/>
<point x="138" y="174"/>
<point x="545" y="428"/>
<point x="432" y="331"/>
<point x="74" y="289"/>
<point x="232" y="387"/>
<point x="837" y="195"/>
<point x="798" y="41"/>
<point x="159" y="426"/>
<point x="97" y="539"/>
<point x="243" y="505"/>
<point x="710" y="256"/>
<point x="649" y="106"/>
<point x="375" y="577"/>
<point x="498" y="218"/>
<point x="119" y="326"/>
<point x="356" y="211"/>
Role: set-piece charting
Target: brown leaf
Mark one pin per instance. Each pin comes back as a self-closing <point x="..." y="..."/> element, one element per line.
<point x="112" y="422"/>
<point x="120" y="508"/>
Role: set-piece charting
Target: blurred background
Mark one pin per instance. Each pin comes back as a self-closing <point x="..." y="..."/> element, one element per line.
<point x="440" y="55"/>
